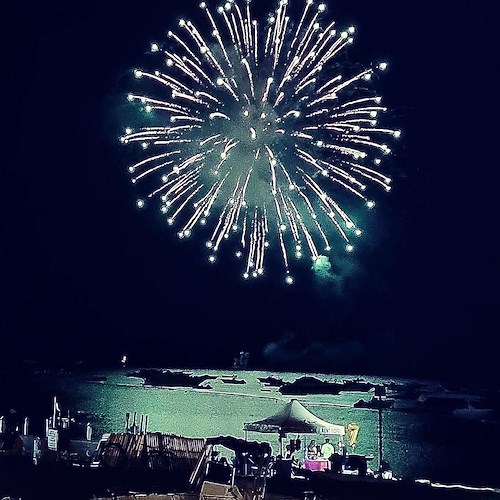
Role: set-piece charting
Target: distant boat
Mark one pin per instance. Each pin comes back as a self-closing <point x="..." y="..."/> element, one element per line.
<point x="231" y="379"/>
<point x="357" y="385"/>
<point x="170" y="378"/>
<point x="374" y="403"/>
<point x="313" y="385"/>
<point x="476" y="410"/>
<point x="310" y="385"/>
<point x="446" y="402"/>
<point x="272" y="381"/>
<point x="204" y="387"/>
<point x="410" y="391"/>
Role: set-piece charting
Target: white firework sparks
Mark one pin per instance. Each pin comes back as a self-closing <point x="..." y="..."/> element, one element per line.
<point x="258" y="131"/>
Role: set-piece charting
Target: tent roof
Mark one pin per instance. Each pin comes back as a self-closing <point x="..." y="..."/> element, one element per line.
<point x="240" y="445"/>
<point x="295" y="418"/>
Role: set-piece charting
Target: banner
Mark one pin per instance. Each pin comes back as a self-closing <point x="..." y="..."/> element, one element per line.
<point x="352" y="432"/>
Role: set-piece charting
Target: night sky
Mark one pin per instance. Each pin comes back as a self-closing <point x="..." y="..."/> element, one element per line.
<point x="86" y="276"/>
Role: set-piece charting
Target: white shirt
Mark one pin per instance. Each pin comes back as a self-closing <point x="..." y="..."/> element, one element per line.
<point x="327" y="450"/>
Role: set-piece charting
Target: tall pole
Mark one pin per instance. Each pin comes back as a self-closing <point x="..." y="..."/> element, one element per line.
<point x="380" y="438"/>
<point x="282" y="436"/>
<point x="54" y="413"/>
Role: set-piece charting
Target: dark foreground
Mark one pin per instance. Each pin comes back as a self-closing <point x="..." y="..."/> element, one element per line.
<point x="20" y="479"/>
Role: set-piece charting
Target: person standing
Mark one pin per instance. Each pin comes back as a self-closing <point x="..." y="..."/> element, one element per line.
<point x="327" y="449"/>
<point x="312" y="449"/>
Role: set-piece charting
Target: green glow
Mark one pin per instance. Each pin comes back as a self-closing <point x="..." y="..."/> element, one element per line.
<point x="321" y="265"/>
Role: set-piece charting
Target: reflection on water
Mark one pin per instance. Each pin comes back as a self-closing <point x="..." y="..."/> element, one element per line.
<point x="437" y="446"/>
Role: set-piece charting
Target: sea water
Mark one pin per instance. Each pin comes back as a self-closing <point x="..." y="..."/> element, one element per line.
<point x="431" y="445"/>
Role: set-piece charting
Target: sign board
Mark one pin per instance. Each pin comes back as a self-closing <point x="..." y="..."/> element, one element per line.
<point x="52" y="439"/>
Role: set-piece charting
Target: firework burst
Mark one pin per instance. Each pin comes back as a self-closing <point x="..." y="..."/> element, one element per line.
<point x="258" y="133"/>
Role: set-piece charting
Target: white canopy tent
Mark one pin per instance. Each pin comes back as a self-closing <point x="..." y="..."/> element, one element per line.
<point x="297" y="419"/>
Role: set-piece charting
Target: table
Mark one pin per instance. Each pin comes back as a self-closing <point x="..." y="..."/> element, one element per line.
<point x="317" y="464"/>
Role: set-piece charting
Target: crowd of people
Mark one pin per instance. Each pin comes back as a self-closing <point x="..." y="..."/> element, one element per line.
<point x="294" y="457"/>
<point x="315" y="451"/>
<point x="326" y="450"/>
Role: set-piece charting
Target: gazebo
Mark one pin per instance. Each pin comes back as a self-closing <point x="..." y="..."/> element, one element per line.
<point x="297" y="419"/>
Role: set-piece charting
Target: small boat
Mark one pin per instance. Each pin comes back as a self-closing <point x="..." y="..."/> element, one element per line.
<point x="231" y="379"/>
<point x="271" y="381"/>
<point x="374" y="403"/>
<point x="357" y="385"/>
<point x="168" y="378"/>
<point x="310" y="385"/>
<point x="473" y="413"/>
<point x="448" y="402"/>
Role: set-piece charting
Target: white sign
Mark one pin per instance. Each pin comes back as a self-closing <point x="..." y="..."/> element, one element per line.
<point x="53" y="439"/>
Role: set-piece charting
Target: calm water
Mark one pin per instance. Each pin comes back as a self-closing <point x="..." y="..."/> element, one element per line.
<point x="435" y="446"/>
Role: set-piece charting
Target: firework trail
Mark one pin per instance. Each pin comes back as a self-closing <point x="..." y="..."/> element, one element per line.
<point x="256" y="132"/>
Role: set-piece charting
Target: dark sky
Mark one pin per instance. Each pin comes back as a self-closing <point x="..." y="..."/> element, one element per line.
<point x="84" y="275"/>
